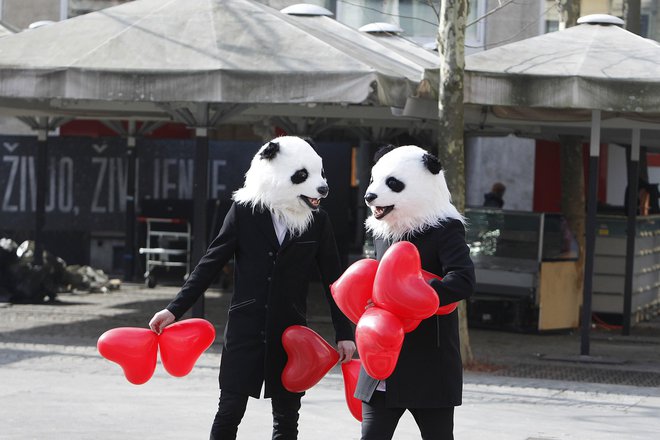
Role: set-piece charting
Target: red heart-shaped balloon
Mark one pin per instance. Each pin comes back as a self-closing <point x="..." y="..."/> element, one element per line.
<point x="399" y="286"/>
<point x="353" y="289"/>
<point x="183" y="342"/>
<point x="134" y="349"/>
<point x="310" y="357"/>
<point x="379" y="337"/>
<point x="409" y="324"/>
<point x="351" y="371"/>
<point x="447" y="308"/>
<point x="428" y="276"/>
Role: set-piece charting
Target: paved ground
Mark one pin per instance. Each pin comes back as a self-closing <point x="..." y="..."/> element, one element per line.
<point x="53" y="383"/>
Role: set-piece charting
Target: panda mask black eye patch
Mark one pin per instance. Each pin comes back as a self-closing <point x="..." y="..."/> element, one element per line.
<point x="395" y="184"/>
<point x="299" y="176"/>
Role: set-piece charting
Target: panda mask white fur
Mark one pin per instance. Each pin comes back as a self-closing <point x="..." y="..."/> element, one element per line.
<point x="286" y="177"/>
<point x="407" y="194"/>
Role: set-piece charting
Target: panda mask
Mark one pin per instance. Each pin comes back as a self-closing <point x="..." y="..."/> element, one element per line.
<point x="407" y="194"/>
<point x="286" y="177"/>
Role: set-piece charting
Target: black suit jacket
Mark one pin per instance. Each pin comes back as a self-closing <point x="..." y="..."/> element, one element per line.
<point x="270" y="293"/>
<point x="429" y="371"/>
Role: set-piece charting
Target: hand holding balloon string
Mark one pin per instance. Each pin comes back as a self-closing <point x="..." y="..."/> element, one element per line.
<point x="310" y="357"/>
<point x="136" y="349"/>
<point x="345" y="350"/>
<point x="161" y="320"/>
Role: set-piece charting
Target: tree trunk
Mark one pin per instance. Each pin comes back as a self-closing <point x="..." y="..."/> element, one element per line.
<point x="569" y="13"/>
<point x="632" y="13"/>
<point x="573" y="203"/>
<point x="451" y="151"/>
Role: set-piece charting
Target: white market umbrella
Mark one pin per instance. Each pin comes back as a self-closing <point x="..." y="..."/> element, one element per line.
<point x="132" y="57"/>
<point x="586" y="79"/>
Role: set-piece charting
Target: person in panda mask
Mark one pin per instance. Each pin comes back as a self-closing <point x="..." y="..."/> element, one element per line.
<point x="277" y="235"/>
<point x="409" y="200"/>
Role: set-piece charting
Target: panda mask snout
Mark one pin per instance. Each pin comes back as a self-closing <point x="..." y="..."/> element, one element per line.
<point x="315" y="202"/>
<point x="302" y="177"/>
<point x="378" y="211"/>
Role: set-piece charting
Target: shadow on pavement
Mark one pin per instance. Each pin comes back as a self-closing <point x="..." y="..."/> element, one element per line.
<point x="80" y="319"/>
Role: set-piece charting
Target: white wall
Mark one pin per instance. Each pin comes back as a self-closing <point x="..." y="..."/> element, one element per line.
<point x="654" y="174"/>
<point x="12" y="126"/>
<point x="617" y="175"/>
<point x="20" y="13"/>
<point x="509" y="160"/>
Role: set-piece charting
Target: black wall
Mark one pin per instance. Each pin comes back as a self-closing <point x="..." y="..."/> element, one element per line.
<point x="87" y="186"/>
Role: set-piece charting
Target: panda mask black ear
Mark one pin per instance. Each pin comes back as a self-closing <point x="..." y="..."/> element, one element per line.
<point x="270" y="151"/>
<point x="311" y="142"/>
<point x="432" y="163"/>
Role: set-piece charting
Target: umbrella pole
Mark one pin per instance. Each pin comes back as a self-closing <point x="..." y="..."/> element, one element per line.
<point x="129" y="239"/>
<point x="42" y="177"/>
<point x="631" y="230"/>
<point x="594" y="152"/>
<point x="363" y="159"/>
<point x="200" y="196"/>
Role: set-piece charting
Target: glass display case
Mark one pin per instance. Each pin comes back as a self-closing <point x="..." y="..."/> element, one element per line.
<point x="528" y="277"/>
<point x="526" y="270"/>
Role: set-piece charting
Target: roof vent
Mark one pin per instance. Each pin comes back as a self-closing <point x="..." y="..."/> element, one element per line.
<point x="603" y="19"/>
<point x="381" y="28"/>
<point x="307" y="10"/>
<point x="41" y="23"/>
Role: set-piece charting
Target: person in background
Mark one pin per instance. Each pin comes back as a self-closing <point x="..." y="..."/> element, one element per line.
<point x="647" y="198"/>
<point x="494" y="199"/>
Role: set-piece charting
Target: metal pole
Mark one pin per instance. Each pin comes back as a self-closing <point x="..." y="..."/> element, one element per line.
<point x="64" y="9"/>
<point x="594" y="152"/>
<point x="539" y="251"/>
<point x="362" y="165"/>
<point x="129" y="237"/>
<point x="200" y="197"/>
<point x="42" y="178"/>
<point x="631" y="230"/>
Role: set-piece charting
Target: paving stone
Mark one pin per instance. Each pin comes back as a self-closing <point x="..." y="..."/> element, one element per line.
<point x="54" y="384"/>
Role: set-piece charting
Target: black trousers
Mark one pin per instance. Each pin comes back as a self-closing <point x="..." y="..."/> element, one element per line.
<point x="379" y="421"/>
<point x="231" y="409"/>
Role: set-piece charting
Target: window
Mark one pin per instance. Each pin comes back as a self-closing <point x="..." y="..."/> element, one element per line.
<point x="551" y="25"/>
